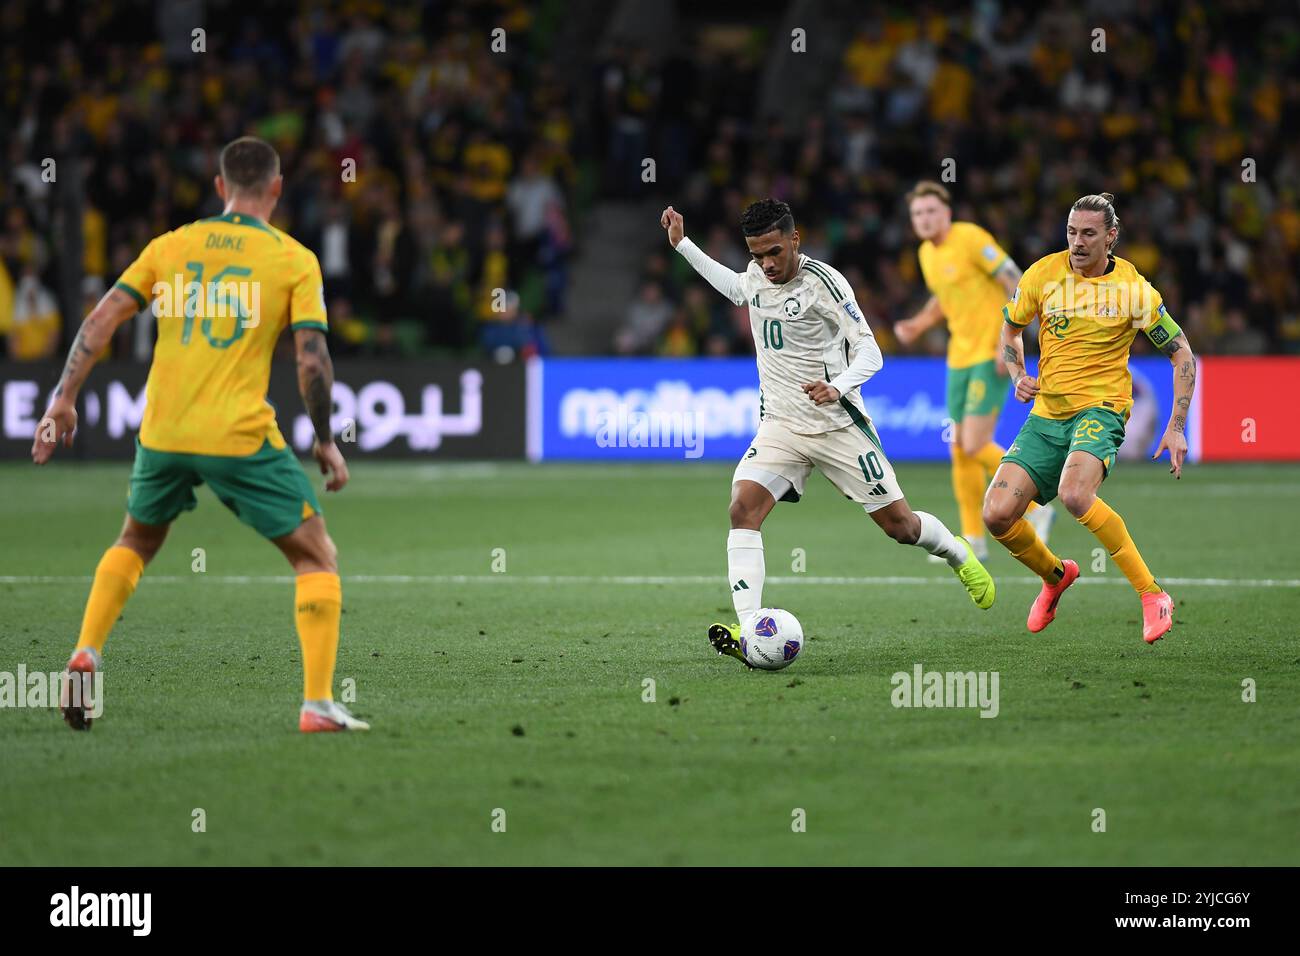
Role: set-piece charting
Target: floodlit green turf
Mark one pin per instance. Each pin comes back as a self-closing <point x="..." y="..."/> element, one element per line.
<point x="526" y="695"/>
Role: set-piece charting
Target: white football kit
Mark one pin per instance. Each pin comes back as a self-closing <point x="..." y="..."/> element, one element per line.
<point x="809" y="329"/>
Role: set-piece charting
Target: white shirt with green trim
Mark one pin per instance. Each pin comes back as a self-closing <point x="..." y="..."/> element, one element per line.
<point x="809" y="329"/>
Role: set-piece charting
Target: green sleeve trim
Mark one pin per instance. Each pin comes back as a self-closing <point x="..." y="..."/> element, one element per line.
<point x="855" y="416"/>
<point x="140" y="300"/>
<point x="309" y="324"/>
<point x="1006" y="317"/>
<point x="819" y="270"/>
<point x="1001" y="262"/>
<point x="1164" y="330"/>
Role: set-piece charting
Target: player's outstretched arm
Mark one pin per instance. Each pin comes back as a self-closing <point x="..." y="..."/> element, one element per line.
<point x="60" y="419"/>
<point x="1013" y="356"/>
<point x="730" y="284"/>
<point x="315" y="385"/>
<point x="909" y="330"/>
<point x="1175" y="438"/>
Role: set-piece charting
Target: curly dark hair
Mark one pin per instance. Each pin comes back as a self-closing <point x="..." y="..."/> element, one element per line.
<point x="766" y="215"/>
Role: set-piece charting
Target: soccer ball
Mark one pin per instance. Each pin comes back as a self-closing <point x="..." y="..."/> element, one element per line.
<point x="773" y="640"/>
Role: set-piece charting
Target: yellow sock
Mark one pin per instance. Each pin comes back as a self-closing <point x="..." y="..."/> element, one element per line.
<point x="116" y="576"/>
<point x="990" y="457"/>
<point x="968" y="488"/>
<point x="1027" y="548"/>
<point x="1111" y="531"/>
<point x="318" y="600"/>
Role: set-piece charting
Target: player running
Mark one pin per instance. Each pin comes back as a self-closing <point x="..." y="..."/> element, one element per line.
<point x="206" y="418"/>
<point x="1090" y="305"/>
<point x="969" y="278"/>
<point x="814" y="351"/>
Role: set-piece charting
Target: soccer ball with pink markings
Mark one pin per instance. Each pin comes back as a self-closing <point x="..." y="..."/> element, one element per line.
<point x="773" y="640"/>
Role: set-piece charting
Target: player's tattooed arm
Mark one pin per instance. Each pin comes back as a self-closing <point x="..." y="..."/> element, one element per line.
<point x="60" y="419"/>
<point x="315" y="381"/>
<point x="315" y="384"/>
<point x="1012" y="345"/>
<point x="1175" y="345"/>
<point x="1184" y="363"/>
<point x="92" y="338"/>
<point x="80" y="357"/>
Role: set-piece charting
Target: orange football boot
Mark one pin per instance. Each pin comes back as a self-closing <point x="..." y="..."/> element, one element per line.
<point x="1043" y="610"/>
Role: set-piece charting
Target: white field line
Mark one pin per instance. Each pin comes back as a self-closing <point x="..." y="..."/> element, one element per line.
<point x="587" y="579"/>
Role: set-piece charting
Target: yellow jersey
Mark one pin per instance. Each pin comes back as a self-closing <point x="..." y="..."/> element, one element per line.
<point x="959" y="273"/>
<point x="1086" y="329"/>
<point x="223" y="289"/>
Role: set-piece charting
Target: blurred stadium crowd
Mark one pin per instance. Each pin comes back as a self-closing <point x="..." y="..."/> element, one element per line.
<point x="463" y="157"/>
<point x="474" y="170"/>
<point x="1034" y="118"/>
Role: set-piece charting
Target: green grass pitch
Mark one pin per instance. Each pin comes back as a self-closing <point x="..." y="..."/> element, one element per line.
<point x="522" y="691"/>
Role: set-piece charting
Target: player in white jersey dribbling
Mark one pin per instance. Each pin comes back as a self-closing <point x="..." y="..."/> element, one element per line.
<point x="814" y="350"/>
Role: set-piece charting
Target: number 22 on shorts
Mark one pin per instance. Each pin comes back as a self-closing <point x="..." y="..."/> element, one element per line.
<point x="1089" y="430"/>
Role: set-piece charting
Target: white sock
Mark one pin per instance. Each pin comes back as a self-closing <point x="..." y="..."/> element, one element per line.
<point x="937" y="539"/>
<point x="745" y="572"/>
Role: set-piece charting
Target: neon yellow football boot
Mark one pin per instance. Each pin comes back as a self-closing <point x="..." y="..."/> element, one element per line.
<point x="977" y="581"/>
<point x="726" y="640"/>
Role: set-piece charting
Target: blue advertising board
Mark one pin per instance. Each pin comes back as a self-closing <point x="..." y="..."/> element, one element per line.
<point x="673" y="409"/>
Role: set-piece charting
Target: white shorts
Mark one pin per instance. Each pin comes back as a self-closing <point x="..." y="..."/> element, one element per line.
<point x="850" y="457"/>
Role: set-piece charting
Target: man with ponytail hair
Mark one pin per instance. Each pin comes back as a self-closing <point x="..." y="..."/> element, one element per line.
<point x="1090" y="305"/>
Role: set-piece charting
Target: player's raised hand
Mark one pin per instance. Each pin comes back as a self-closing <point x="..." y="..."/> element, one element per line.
<point x="57" y="425"/>
<point x="821" y="393"/>
<point x="672" y="221"/>
<point x="332" y="464"/>
<point x="1176" y="442"/>
<point x="1026" y="388"/>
